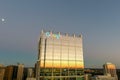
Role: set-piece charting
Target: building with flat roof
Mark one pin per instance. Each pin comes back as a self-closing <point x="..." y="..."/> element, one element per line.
<point x="20" y="71"/>
<point x="10" y="72"/>
<point x="110" y="68"/>
<point x="2" y="72"/>
<point x="60" y="57"/>
<point x="14" y="72"/>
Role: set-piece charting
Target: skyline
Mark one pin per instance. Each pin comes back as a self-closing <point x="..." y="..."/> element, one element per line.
<point x="97" y="21"/>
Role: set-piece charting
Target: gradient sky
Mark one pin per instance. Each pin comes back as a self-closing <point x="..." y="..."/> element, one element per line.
<point x="97" y="20"/>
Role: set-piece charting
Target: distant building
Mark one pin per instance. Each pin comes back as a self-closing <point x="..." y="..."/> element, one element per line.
<point x="109" y="73"/>
<point x="10" y="72"/>
<point x="2" y="71"/>
<point x="60" y="57"/>
<point x="110" y="68"/>
<point x="14" y="72"/>
<point x="30" y="73"/>
<point x="35" y="69"/>
<point x="20" y="71"/>
<point x="25" y="72"/>
<point x="104" y="77"/>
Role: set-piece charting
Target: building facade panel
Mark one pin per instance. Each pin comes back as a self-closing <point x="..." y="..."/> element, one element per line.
<point x="60" y="57"/>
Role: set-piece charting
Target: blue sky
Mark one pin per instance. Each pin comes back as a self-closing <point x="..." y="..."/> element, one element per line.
<point x="97" y="20"/>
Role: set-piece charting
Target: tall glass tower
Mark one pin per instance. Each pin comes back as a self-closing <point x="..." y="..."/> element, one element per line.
<point x="60" y="57"/>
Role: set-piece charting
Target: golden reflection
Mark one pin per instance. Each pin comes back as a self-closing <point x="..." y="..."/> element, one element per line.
<point x="56" y="64"/>
<point x="42" y="63"/>
<point x="64" y="64"/>
<point x="48" y="63"/>
<point x="111" y="66"/>
<point x="79" y="64"/>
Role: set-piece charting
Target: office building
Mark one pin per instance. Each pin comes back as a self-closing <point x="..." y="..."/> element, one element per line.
<point x="25" y="73"/>
<point x="110" y="68"/>
<point x="2" y="71"/>
<point x="10" y="72"/>
<point x="60" y="57"/>
<point x="14" y="72"/>
<point x="20" y="71"/>
<point x="30" y="73"/>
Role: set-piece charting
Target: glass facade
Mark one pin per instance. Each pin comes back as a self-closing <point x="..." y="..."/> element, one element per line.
<point x="60" y="57"/>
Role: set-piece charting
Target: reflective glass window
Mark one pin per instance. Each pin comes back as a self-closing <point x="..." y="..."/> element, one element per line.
<point x="79" y="57"/>
<point x="48" y="63"/>
<point x="57" y="42"/>
<point x="64" y="64"/>
<point x="42" y="55"/>
<point x="79" y="53"/>
<point x="78" y="42"/>
<point x="49" y="52"/>
<point x="57" y="52"/>
<point x="71" y="42"/>
<point x="42" y="49"/>
<point x="71" y="53"/>
<point x="64" y="53"/>
<point x="72" y="64"/>
<point x="79" y="64"/>
<point x="42" y="63"/>
<point x="64" y="43"/>
<point x="42" y="41"/>
<point x="50" y="41"/>
<point x="56" y="63"/>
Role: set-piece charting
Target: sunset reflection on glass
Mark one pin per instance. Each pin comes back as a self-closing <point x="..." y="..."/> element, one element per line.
<point x="63" y="55"/>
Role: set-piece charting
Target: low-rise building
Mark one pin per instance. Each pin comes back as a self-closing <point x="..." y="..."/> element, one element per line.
<point x="2" y="71"/>
<point x="104" y="77"/>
